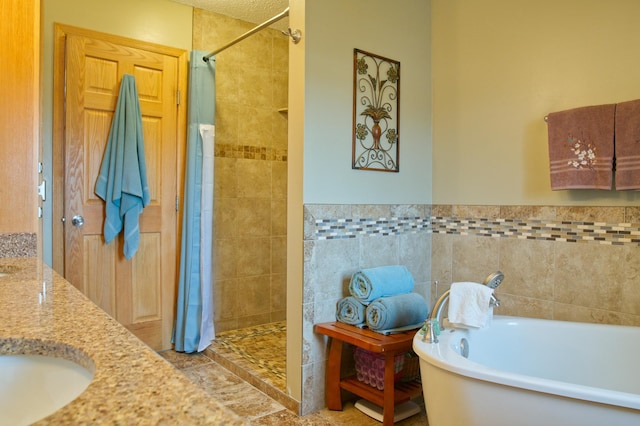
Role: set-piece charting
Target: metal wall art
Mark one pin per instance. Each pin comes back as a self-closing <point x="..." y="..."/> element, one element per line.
<point x="376" y="112"/>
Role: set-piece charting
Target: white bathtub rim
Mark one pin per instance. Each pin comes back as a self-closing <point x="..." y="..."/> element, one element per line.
<point x="443" y="356"/>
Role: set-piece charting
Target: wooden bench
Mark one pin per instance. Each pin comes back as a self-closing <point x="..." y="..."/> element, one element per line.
<point x="388" y="346"/>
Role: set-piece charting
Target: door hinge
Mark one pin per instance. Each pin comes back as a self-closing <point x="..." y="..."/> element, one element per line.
<point x="178" y="97"/>
<point x="177" y="203"/>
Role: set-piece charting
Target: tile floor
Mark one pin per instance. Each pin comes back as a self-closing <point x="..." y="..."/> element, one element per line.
<point x="253" y="386"/>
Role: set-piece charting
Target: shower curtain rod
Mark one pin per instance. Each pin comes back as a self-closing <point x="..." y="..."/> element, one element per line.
<point x="265" y="24"/>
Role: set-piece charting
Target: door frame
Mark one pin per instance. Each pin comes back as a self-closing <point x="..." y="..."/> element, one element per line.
<point x="61" y="32"/>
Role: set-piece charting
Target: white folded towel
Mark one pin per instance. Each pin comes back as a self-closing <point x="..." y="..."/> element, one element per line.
<point x="469" y="304"/>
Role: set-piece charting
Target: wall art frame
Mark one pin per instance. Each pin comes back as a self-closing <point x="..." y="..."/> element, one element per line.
<point x="376" y="112"/>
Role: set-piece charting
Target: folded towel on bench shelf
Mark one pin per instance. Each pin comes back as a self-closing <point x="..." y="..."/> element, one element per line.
<point x="400" y="311"/>
<point x="370" y="284"/>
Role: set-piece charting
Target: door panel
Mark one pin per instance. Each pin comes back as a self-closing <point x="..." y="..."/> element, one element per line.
<point x="139" y="293"/>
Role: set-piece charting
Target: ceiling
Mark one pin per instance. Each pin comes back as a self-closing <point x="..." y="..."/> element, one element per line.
<point x="255" y="11"/>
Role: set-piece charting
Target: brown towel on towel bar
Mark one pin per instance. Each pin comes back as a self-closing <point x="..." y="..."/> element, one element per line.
<point x="581" y="147"/>
<point x="628" y="145"/>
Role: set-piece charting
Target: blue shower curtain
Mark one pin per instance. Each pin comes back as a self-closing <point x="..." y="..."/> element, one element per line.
<point x="193" y="330"/>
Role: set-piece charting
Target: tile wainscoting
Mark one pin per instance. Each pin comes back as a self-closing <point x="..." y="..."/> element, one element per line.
<point x="340" y="239"/>
<point x="563" y="263"/>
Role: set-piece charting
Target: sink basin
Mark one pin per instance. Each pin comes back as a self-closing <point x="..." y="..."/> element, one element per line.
<point x="35" y="386"/>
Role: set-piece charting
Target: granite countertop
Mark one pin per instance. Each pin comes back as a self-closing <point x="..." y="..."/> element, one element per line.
<point x="41" y="313"/>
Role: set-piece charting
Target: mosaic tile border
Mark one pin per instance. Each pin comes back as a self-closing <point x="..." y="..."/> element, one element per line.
<point x="327" y="229"/>
<point x="530" y="229"/>
<point x="249" y="152"/>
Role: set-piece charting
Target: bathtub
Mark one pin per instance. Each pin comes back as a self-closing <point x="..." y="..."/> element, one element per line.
<point x="523" y="371"/>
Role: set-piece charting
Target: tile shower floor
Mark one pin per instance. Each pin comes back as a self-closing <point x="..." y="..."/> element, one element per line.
<point x="245" y="370"/>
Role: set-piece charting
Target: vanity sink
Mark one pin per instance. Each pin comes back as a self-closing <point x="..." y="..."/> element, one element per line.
<point x="35" y="386"/>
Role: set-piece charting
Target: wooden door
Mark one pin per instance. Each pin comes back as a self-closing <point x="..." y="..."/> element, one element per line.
<point x="139" y="293"/>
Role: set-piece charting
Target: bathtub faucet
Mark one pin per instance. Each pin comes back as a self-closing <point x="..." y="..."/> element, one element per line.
<point x="434" y="323"/>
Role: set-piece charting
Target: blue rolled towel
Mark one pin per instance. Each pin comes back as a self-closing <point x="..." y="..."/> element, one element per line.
<point x="370" y="284"/>
<point x="396" y="311"/>
<point x="350" y="311"/>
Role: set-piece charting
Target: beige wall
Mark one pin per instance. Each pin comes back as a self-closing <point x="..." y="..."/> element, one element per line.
<point x="500" y="66"/>
<point x="157" y="21"/>
<point x="400" y="32"/>
<point x="250" y="170"/>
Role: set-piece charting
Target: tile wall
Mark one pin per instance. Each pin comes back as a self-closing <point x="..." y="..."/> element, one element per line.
<point x="564" y="263"/>
<point x="339" y="240"/>
<point x="250" y="170"/>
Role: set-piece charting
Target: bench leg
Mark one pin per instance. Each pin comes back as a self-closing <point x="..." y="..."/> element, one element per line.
<point x="388" y="409"/>
<point x="334" y="398"/>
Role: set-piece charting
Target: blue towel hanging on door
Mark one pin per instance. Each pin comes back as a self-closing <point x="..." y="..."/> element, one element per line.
<point x="122" y="182"/>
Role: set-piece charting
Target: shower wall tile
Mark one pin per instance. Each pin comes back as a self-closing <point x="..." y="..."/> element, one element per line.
<point x="280" y="89"/>
<point x="253" y="257"/>
<point x="225" y="182"/>
<point x="280" y="129"/>
<point x="280" y="60"/>
<point x="254" y="295"/>
<point x="254" y="179"/>
<point x="279" y="175"/>
<point x="255" y="88"/>
<point x="278" y="295"/>
<point x="278" y="255"/>
<point x="252" y="215"/>
<point x="224" y="259"/>
<point x="225" y="300"/>
<point x="226" y="218"/>
<point x="253" y="320"/>
<point x="250" y="163"/>
<point x="278" y="217"/>
<point x="255" y="127"/>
